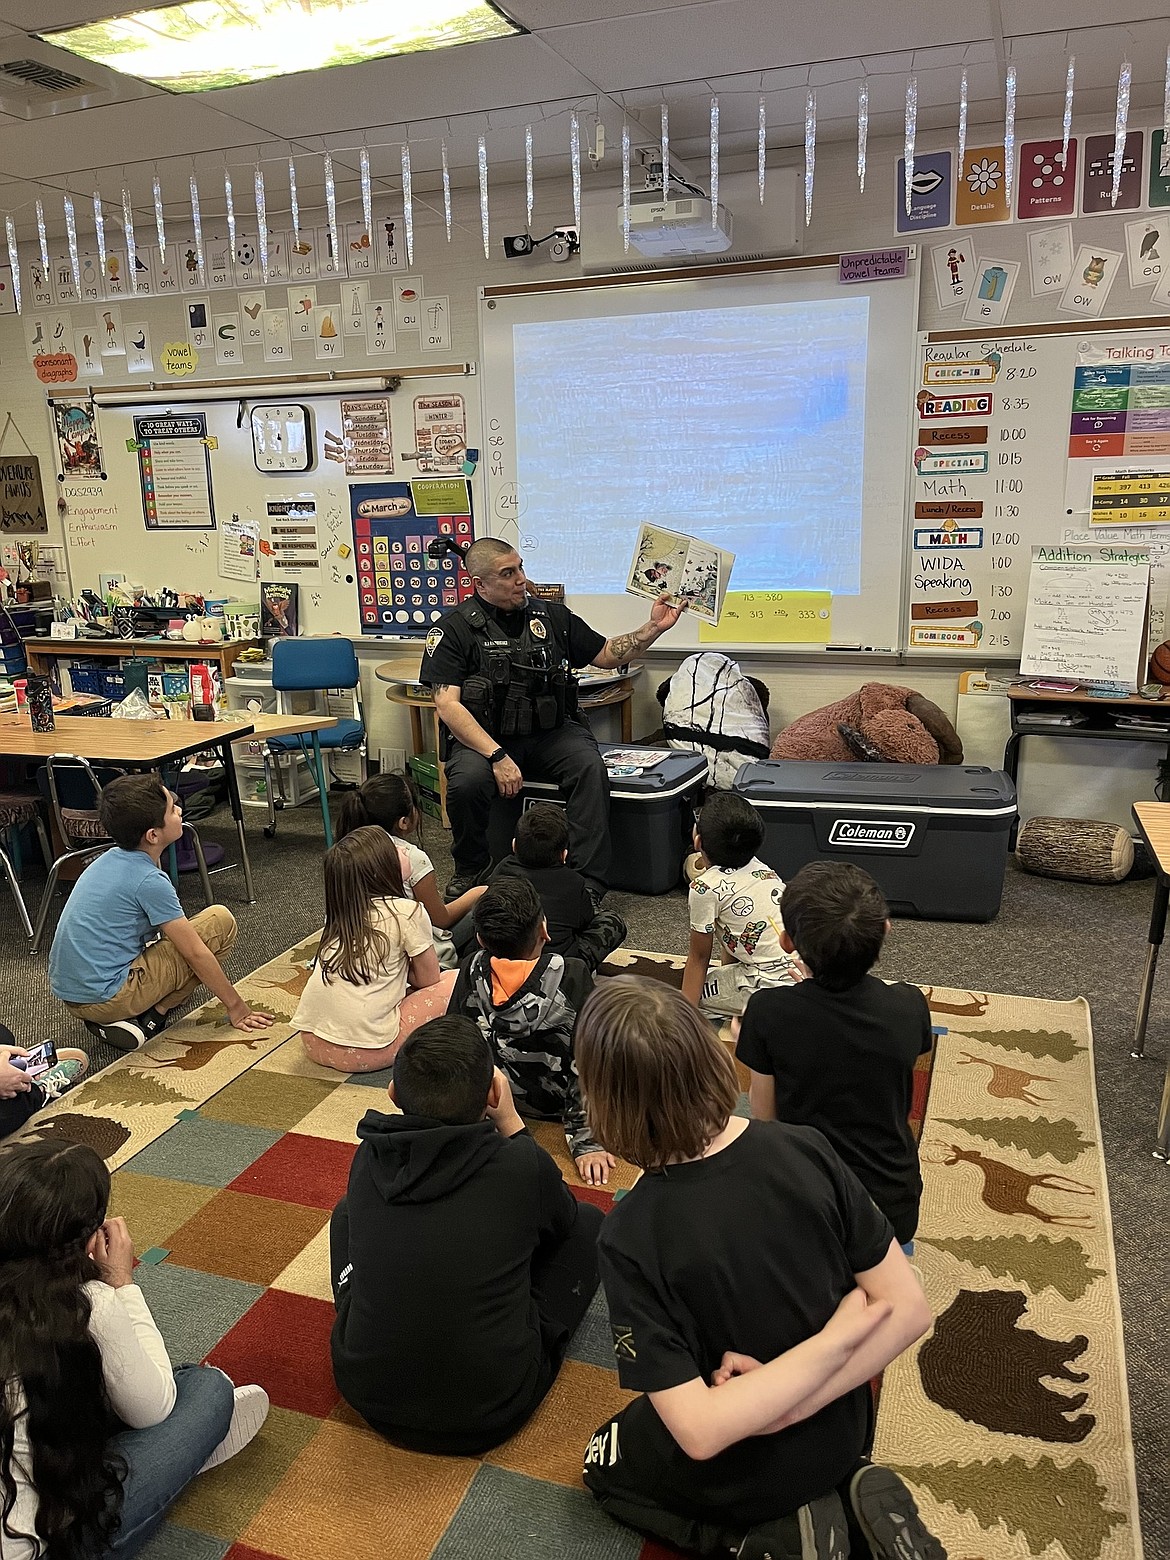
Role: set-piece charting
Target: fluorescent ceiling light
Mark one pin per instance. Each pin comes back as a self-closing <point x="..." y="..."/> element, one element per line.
<point x="203" y="44"/>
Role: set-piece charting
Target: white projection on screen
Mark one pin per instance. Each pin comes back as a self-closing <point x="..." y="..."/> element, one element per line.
<point x="743" y="425"/>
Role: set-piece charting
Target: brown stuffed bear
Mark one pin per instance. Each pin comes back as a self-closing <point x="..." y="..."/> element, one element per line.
<point x="878" y="724"/>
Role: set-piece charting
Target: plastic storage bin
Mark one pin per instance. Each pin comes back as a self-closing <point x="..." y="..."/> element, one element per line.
<point x="935" y="838"/>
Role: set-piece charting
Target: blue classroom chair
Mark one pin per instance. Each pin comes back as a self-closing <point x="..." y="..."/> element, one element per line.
<point x="316" y="666"/>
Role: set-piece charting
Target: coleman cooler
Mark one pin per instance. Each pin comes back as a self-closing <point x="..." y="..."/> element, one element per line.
<point x="651" y="817"/>
<point x="935" y="838"/>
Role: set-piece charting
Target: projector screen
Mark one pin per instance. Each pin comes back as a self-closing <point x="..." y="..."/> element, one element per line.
<point x="766" y="414"/>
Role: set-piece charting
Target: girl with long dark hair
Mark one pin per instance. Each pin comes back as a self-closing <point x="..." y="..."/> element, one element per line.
<point x="98" y="1433"/>
<point x="377" y="975"/>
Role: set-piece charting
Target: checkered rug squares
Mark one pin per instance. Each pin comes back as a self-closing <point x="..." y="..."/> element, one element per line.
<point x="210" y="1153"/>
<point x="372" y="1080"/>
<point x="308" y="1272"/>
<point x="551" y="1136"/>
<point x="264" y="1099"/>
<point x="337" y="1115"/>
<point x="283" y="1344"/>
<point x="311" y="1171"/>
<point x="551" y="1445"/>
<point x="180" y="1543"/>
<point x="505" y="1514"/>
<point x="249" y="1238"/>
<point x="193" y="1309"/>
<point x="290" y="1060"/>
<point x="223" y="1502"/>
<point x="154" y="1208"/>
<point x="352" y="1496"/>
<point x="592" y="1343"/>
<point x="246" y="1552"/>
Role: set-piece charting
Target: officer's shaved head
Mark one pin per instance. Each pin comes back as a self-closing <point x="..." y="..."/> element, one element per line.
<point x="483" y="557"/>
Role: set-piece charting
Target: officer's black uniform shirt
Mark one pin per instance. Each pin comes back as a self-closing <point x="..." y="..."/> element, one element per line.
<point x="452" y="656"/>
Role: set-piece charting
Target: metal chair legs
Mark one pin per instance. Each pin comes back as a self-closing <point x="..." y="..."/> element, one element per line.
<point x="14" y="884"/>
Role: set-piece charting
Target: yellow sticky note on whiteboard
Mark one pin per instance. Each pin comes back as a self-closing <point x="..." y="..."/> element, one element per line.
<point x="772" y="617"/>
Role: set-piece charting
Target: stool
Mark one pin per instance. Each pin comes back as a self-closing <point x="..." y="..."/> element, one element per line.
<point x="1082" y="849"/>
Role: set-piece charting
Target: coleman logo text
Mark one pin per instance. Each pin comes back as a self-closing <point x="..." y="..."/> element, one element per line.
<point x="871" y="832"/>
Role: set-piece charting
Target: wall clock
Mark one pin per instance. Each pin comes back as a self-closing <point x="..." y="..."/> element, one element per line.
<point x="282" y="436"/>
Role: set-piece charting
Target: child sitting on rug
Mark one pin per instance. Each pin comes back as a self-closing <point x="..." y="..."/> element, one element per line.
<point x="461" y="1262"/>
<point x="391" y="802"/>
<point x="525" y="999"/>
<point x="22" y="1096"/>
<point x="576" y="927"/>
<point x="837" y="1052"/>
<point x="737" y="900"/>
<point x="104" y="963"/>
<point x="754" y="1292"/>
<point x="356" y="1008"/>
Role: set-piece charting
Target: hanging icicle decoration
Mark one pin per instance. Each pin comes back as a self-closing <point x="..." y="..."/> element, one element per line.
<point x="862" y="132"/>
<point x="714" y="162"/>
<point x="295" y="203"/>
<point x="810" y="151"/>
<point x="407" y="203"/>
<point x="665" y="150"/>
<point x="43" y="240"/>
<point x="1123" y="84"/>
<point x="99" y="228"/>
<point x="261" y="220"/>
<point x="229" y="200"/>
<point x="761" y="145"/>
<point x="446" y="193"/>
<point x="1164" y="155"/>
<point x="483" y="197"/>
<point x="13" y="260"/>
<point x="911" y="134"/>
<point x="367" y="194"/>
<point x="131" y="245"/>
<point x="1009" y="135"/>
<point x="1066" y="130"/>
<point x="575" y="166"/>
<point x="160" y="230"/>
<point x="71" y="240"/>
<point x="963" y="105"/>
<point x="331" y="213"/>
<point x="196" y="224"/>
<point x="528" y="201"/>
<point x="625" y="187"/>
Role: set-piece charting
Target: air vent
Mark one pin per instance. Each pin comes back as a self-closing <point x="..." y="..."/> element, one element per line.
<point x="45" y="78"/>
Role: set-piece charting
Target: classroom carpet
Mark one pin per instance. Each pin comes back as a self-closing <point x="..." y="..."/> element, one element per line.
<point x="230" y="1151"/>
<point x="1010" y="1418"/>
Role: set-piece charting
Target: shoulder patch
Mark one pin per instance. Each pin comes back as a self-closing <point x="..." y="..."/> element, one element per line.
<point x="434" y="640"/>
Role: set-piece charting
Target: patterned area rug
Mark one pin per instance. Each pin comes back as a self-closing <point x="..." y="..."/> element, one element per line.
<point x="240" y="1148"/>
<point x="1011" y="1418"/>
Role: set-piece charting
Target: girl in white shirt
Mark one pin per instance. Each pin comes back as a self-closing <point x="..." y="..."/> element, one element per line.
<point x="87" y="1373"/>
<point x="391" y="802"/>
<point x="377" y="974"/>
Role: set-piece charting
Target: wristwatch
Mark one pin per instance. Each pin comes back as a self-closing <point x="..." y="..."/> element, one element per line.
<point x="494" y="758"/>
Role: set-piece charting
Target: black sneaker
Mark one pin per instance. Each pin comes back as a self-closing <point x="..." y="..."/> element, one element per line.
<point x="152" y="1021"/>
<point x="817" y="1531"/>
<point x="124" y="1034"/>
<point x="465" y="879"/>
<point x="887" y="1515"/>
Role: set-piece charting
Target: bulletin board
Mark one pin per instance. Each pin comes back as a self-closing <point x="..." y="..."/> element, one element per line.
<point x="305" y="518"/>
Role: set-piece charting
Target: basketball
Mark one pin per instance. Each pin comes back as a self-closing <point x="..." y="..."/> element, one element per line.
<point x="1160" y="664"/>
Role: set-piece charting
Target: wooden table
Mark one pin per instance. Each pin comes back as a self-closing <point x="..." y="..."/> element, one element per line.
<point x="1153" y="821"/>
<point x="138" y="744"/>
<point x="44" y="653"/>
<point x="264" y="727"/>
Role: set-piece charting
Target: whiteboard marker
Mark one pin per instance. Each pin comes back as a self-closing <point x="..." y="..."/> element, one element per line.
<point x="843" y="647"/>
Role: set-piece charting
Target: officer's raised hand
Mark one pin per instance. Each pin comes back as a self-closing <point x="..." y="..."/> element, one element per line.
<point x="665" y="612"/>
<point x="506" y="773"/>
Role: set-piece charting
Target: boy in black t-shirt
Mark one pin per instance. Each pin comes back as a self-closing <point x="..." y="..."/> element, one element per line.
<point x="837" y="1052"/>
<point x="754" y="1290"/>
<point x="461" y="1262"/>
<point x="576" y="927"/>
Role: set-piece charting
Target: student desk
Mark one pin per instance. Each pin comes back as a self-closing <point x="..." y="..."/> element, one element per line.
<point x="139" y="744"/>
<point x="1153" y="821"/>
<point x="262" y="727"/>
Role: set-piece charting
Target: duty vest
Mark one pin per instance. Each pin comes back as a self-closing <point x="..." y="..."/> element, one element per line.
<point x="517" y="686"/>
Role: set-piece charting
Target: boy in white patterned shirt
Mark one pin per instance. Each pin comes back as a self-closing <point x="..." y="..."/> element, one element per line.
<point x="737" y="901"/>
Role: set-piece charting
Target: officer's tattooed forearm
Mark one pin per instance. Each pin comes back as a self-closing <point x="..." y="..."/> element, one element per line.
<point x="438" y="688"/>
<point x="623" y="646"/>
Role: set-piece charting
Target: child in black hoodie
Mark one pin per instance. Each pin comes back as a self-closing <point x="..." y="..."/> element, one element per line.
<point x="525" y="999"/>
<point x="461" y="1262"/>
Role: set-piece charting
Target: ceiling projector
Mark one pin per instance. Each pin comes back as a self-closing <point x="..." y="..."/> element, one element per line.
<point x="681" y="226"/>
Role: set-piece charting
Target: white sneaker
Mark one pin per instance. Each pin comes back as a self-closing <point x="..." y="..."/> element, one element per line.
<point x="248" y="1415"/>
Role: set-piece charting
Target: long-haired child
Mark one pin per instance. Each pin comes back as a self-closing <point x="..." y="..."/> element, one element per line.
<point x="390" y="801"/>
<point x="754" y="1291"/>
<point x="377" y="974"/>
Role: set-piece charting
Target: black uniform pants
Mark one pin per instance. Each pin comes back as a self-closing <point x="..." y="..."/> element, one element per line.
<point x="569" y="757"/>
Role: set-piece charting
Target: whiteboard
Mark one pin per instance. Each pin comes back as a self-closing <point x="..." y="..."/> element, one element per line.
<point x="791" y="531"/>
<point x="106" y="533"/>
<point x="971" y="532"/>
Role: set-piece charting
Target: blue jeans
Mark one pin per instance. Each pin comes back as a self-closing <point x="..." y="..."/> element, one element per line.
<point x="163" y="1459"/>
<point x="908" y="1247"/>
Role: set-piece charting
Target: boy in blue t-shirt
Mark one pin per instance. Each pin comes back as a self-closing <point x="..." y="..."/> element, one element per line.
<point x="106" y="964"/>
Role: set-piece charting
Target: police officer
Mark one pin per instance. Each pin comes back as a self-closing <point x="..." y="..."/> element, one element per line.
<point x="500" y="668"/>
